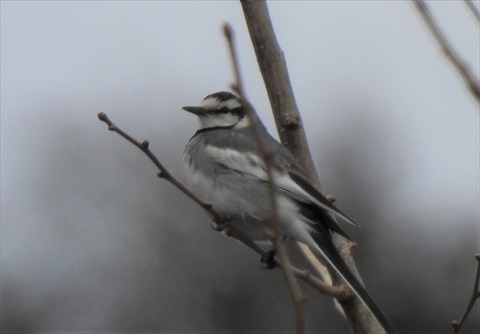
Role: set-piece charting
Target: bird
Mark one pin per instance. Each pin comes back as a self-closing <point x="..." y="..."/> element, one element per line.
<point x="225" y="167"/>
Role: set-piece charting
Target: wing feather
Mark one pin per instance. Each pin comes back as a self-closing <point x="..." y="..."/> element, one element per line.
<point x="288" y="180"/>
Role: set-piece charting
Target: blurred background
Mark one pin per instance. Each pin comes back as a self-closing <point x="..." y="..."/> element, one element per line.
<point x="93" y="241"/>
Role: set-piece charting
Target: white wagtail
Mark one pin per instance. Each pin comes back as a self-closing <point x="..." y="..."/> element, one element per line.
<point x="225" y="168"/>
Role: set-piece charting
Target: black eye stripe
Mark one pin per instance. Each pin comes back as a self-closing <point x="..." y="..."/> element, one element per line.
<point x="224" y="110"/>
<point x="237" y="111"/>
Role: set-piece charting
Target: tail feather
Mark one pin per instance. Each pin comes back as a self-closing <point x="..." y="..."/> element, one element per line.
<point x="330" y="254"/>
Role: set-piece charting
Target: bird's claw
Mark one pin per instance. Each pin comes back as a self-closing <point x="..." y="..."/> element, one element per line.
<point x="269" y="260"/>
<point x="223" y="225"/>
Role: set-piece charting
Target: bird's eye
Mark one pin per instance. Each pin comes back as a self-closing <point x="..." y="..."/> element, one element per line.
<point x="224" y="110"/>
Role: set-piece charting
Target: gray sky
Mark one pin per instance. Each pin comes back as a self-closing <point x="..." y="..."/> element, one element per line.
<point x="88" y="232"/>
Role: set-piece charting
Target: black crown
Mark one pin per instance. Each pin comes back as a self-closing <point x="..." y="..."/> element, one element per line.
<point x="222" y="96"/>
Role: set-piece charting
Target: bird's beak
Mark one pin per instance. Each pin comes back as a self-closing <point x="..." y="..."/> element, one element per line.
<point x="195" y="110"/>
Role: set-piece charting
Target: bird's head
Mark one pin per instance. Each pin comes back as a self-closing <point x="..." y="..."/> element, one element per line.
<point x="221" y="109"/>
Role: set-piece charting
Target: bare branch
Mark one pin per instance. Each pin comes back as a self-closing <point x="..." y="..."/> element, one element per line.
<point x="163" y="172"/>
<point x="229" y="230"/>
<point x="457" y="324"/>
<point x="275" y="76"/>
<point x="304" y="275"/>
<point x="459" y="64"/>
<point x="298" y="299"/>
<point x="289" y="124"/>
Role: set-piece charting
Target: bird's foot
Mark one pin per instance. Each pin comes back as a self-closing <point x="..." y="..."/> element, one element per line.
<point x="269" y="260"/>
<point x="221" y="226"/>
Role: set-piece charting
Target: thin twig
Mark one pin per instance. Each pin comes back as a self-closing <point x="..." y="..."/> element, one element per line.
<point x="457" y="324"/>
<point x="295" y="293"/>
<point x="459" y="64"/>
<point x="473" y="9"/>
<point x="230" y="230"/>
<point x="163" y="172"/>
<point x="304" y="275"/>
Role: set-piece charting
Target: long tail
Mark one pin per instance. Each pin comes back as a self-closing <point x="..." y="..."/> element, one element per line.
<point x="330" y="254"/>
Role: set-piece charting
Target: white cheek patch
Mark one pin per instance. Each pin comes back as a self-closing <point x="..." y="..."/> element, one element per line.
<point x="243" y="123"/>
<point x="210" y="121"/>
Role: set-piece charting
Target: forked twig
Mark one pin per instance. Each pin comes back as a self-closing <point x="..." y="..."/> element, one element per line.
<point x="298" y="299"/>
<point x="457" y="324"/>
<point x="304" y="275"/>
<point x="460" y="65"/>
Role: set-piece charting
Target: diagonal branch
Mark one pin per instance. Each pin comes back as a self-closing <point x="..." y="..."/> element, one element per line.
<point x="290" y="128"/>
<point x="163" y="172"/>
<point x="458" y="63"/>
<point x="272" y="64"/>
<point x="298" y="299"/>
